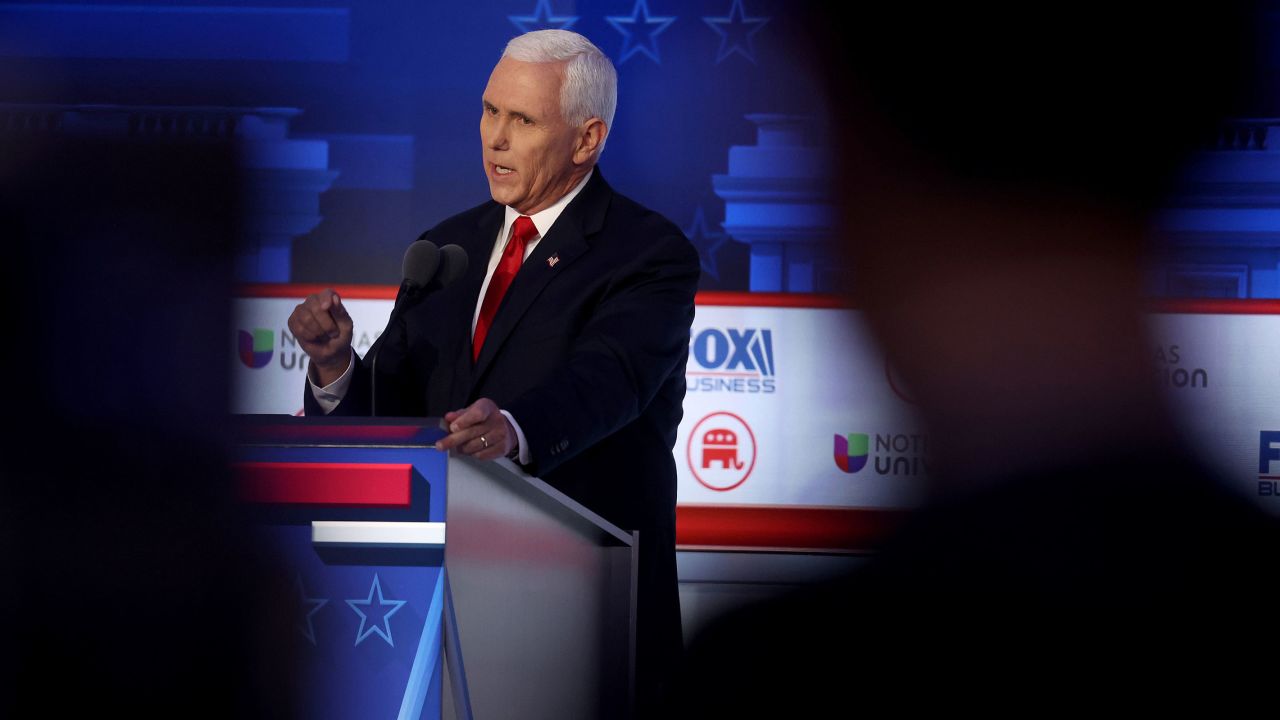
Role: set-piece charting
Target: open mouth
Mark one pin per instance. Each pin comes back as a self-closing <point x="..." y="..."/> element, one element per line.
<point x="500" y="170"/>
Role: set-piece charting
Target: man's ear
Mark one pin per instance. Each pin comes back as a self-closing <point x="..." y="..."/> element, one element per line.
<point x="590" y="137"/>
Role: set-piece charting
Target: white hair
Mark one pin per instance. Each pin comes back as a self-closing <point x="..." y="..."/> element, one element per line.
<point x="590" y="86"/>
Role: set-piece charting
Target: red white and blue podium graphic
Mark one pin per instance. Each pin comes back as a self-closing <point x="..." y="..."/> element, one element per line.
<point x="354" y="519"/>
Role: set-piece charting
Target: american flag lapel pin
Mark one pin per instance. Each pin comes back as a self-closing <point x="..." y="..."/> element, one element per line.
<point x="551" y="261"/>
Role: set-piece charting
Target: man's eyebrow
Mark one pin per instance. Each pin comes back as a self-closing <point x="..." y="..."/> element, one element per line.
<point x="514" y="113"/>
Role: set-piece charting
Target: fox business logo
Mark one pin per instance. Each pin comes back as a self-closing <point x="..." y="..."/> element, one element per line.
<point x="736" y="360"/>
<point x="1268" y="453"/>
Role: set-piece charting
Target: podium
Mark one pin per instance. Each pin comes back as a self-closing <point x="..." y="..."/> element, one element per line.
<point x="432" y="586"/>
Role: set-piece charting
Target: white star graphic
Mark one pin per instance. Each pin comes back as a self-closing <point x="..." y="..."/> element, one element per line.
<point x="308" y="630"/>
<point x="706" y="241"/>
<point x="642" y="35"/>
<point x="542" y="19"/>
<point x="382" y="628"/>
<point x="736" y="31"/>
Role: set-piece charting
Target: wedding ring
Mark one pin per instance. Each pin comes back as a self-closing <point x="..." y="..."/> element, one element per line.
<point x="486" y="442"/>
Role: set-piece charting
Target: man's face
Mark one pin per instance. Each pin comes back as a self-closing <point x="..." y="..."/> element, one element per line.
<point x="529" y="149"/>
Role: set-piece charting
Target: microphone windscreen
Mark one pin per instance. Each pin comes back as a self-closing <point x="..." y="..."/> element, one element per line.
<point x="420" y="263"/>
<point x="453" y="263"/>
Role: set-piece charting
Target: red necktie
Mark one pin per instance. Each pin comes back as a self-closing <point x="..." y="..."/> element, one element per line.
<point x="512" y="258"/>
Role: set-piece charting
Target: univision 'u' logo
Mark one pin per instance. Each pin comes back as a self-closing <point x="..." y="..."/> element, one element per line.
<point x="851" y="452"/>
<point x="256" y="347"/>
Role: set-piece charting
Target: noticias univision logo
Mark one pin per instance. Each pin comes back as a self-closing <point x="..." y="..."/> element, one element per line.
<point x="737" y="360"/>
<point x="851" y="452"/>
<point x="889" y="454"/>
<point x="256" y="348"/>
<point x="1170" y="373"/>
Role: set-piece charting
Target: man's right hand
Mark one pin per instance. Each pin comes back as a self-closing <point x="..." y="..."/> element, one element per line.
<point x="323" y="329"/>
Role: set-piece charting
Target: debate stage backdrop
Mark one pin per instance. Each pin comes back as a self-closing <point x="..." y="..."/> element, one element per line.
<point x="359" y="123"/>
<point x="362" y="118"/>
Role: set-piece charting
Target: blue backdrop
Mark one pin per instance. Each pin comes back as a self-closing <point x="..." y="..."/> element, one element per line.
<point x="361" y="127"/>
<point x="392" y="91"/>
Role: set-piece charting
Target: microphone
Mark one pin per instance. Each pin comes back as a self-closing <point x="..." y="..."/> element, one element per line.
<point x="425" y="269"/>
<point x="453" y="264"/>
<point x="421" y="261"/>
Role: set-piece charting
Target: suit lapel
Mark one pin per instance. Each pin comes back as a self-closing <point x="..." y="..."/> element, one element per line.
<point x="567" y="240"/>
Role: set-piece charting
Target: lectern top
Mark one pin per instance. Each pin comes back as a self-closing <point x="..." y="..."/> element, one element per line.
<point x="286" y="430"/>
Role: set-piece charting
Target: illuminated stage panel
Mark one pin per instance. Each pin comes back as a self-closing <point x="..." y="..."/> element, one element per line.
<point x="340" y="512"/>
<point x="349" y="484"/>
<point x="790" y="528"/>
<point x="175" y="32"/>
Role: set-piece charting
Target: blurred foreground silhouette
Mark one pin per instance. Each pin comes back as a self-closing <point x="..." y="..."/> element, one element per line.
<point x="997" y="169"/>
<point x="127" y="576"/>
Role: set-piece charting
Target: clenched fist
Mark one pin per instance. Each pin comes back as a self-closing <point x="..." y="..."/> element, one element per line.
<point x="323" y="329"/>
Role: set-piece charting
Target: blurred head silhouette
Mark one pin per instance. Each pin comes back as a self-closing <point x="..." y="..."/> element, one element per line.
<point x="998" y="164"/>
<point x="130" y="572"/>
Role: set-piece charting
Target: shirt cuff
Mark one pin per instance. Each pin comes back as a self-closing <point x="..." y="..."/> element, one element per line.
<point x="522" y="447"/>
<point x="330" y="395"/>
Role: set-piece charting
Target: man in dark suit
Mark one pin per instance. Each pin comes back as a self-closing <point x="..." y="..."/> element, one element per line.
<point x="563" y="347"/>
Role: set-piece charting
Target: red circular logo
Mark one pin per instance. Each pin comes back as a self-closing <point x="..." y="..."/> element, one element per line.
<point x="721" y="451"/>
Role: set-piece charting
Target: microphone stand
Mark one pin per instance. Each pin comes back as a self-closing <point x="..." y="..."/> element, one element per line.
<point x="448" y="265"/>
<point x="376" y="351"/>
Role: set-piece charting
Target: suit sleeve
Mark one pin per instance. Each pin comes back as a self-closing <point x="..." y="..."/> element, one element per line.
<point x="630" y="348"/>
<point x="354" y="404"/>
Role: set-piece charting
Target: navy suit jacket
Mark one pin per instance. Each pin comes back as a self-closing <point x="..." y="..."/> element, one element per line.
<point x="587" y="351"/>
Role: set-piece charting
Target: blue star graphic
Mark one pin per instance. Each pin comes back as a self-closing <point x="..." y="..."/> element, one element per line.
<point x="377" y="627"/>
<point x="643" y="34"/>
<point x="542" y="19"/>
<point x="736" y="33"/>
<point x="706" y="241"/>
<point x="308" y="631"/>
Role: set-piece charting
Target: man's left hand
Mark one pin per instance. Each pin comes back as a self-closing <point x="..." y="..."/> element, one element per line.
<point x="480" y="431"/>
